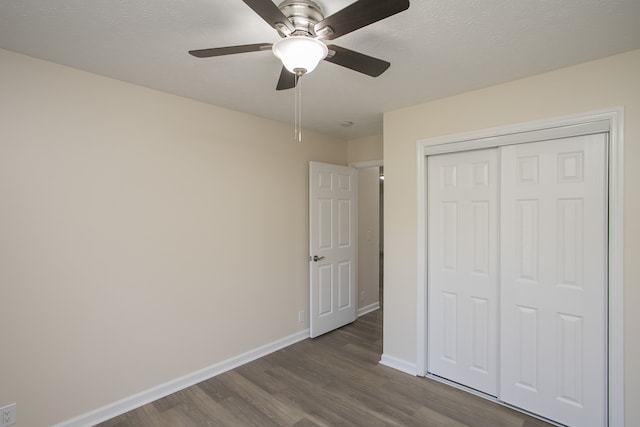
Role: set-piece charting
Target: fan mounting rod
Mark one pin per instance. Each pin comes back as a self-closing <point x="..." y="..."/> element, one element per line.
<point x="303" y="14"/>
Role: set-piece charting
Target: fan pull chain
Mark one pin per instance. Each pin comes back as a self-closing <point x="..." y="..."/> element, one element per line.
<point x="298" y="108"/>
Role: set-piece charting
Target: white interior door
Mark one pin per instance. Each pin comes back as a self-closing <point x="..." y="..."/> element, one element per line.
<point x="333" y="201"/>
<point x="463" y="271"/>
<point x="553" y="278"/>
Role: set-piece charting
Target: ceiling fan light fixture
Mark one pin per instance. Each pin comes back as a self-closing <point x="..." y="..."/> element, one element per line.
<point x="300" y="54"/>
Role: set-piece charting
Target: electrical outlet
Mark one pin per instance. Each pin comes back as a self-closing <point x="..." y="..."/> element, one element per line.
<point x="300" y="318"/>
<point x="8" y="415"/>
<point x="362" y="295"/>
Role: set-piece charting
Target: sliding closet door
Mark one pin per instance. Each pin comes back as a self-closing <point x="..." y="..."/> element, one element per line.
<point x="462" y="259"/>
<point x="553" y="279"/>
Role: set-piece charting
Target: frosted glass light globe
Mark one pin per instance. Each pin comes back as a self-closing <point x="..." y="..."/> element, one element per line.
<point x="300" y="54"/>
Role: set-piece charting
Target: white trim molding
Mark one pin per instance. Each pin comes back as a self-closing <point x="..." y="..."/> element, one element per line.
<point x="368" y="308"/>
<point x="609" y="120"/>
<point x="147" y="396"/>
<point x="399" y="364"/>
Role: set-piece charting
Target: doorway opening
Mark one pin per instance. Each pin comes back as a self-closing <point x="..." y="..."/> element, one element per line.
<point x="370" y="236"/>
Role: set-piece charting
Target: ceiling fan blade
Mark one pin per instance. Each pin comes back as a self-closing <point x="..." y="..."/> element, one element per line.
<point x="357" y="61"/>
<point x="287" y="80"/>
<point x="271" y="14"/>
<point x="230" y="50"/>
<point x="358" y="15"/>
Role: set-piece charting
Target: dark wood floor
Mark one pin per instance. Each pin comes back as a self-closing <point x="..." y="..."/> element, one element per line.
<point x="333" y="380"/>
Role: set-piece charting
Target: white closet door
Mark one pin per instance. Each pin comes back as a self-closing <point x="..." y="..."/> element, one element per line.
<point x="462" y="259"/>
<point x="553" y="279"/>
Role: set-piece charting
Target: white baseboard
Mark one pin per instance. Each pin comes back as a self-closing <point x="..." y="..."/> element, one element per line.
<point x="399" y="364"/>
<point x="129" y="403"/>
<point x="368" y="309"/>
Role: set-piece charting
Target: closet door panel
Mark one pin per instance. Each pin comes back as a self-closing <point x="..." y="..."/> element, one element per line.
<point x="462" y="259"/>
<point x="553" y="251"/>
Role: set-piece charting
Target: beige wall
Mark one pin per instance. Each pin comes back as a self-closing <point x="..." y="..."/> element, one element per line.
<point x="143" y="236"/>
<point x="365" y="149"/>
<point x="609" y="82"/>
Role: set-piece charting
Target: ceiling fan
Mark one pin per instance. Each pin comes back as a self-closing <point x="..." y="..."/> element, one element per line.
<point x="302" y="26"/>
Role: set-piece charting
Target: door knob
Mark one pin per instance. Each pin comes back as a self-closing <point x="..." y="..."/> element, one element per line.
<point x="317" y="258"/>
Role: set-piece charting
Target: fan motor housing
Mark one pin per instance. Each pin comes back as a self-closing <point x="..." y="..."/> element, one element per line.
<point x="303" y="14"/>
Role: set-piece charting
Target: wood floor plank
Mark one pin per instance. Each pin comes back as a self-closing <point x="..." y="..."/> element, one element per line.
<point x="211" y="409"/>
<point x="268" y="404"/>
<point x="246" y="413"/>
<point x="379" y="403"/>
<point x="216" y="390"/>
<point x="305" y="422"/>
<point x="332" y="380"/>
<point x="428" y="417"/>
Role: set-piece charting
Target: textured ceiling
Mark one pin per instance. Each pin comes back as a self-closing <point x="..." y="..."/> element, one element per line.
<point x="437" y="48"/>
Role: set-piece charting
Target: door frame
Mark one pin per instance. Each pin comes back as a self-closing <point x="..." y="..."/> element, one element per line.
<point x="609" y="120"/>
